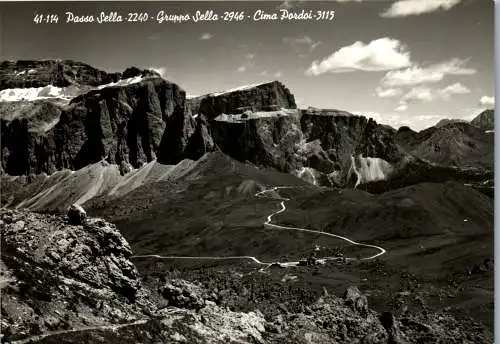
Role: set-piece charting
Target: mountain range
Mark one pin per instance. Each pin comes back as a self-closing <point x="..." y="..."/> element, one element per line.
<point x="135" y="117"/>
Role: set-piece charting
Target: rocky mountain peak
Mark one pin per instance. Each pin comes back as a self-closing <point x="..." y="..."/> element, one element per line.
<point x="446" y="121"/>
<point x="485" y="120"/>
<point x="58" y="73"/>
<point x="133" y="72"/>
<point x="270" y="96"/>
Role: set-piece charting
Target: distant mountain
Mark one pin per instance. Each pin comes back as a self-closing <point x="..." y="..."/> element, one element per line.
<point x="485" y="120"/>
<point x="447" y="121"/>
<point x="456" y="144"/>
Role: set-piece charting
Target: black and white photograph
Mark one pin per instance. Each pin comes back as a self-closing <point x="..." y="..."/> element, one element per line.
<point x="261" y="172"/>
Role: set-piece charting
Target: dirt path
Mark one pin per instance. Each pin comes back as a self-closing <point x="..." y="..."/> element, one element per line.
<point x="113" y="327"/>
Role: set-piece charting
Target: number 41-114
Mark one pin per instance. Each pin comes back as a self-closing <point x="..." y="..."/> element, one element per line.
<point x="47" y="18"/>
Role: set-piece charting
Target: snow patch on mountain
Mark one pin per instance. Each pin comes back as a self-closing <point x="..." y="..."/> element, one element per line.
<point x="239" y="88"/>
<point x="369" y="170"/>
<point x="35" y="93"/>
<point x="49" y="125"/>
<point x="254" y="115"/>
<point x="122" y="82"/>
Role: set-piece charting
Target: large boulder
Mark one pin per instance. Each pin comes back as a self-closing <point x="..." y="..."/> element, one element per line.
<point x="183" y="294"/>
<point x="76" y="215"/>
<point x="354" y="298"/>
<point x="392" y="327"/>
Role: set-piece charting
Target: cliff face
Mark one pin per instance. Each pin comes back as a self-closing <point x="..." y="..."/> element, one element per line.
<point x="342" y="136"/>
<point x="321" y="141"/>
<point x="125" y="125"/>
<point x="122" y="124"/>
<point x="264" y="97"/>
<point x="268" y="141"/>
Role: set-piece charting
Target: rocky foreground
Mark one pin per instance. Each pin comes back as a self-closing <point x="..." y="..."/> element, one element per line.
<point x="70" y="279"/>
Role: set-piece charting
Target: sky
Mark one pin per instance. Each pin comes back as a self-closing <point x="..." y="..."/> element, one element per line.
<point x="402" y="62"/>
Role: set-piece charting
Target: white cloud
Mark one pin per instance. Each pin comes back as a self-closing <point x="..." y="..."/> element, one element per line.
<point x="206" y="36"/>
<point x="425" y="121"/>
<point x="159" y="70"/>
<point x="301" y="41"/>
<point x="401" y="118"/>
<point x="264" y="72"/>
<point x="378" y="55"/>
<point x="411" y="76"/>
<point x="300" y="102"/>
<point x="418" y="94"/>
<point x="487" y="101"/>
<point x="377" y="117"/>
<point x="402" y="107"/>
<point x="426" y="94"/>
<point x="387" y="93"/>
<point x="404" y="8"/>
<point x="423" y="75"/>
<point x="314" y="45"/>
<point x="278" y="75"/>
<point x="456" y="88"/>
<point x="249" y="61"/>
<point x="288" y="4"/>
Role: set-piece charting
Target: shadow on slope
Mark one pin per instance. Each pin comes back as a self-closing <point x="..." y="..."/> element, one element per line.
<point x="55" y="193"/>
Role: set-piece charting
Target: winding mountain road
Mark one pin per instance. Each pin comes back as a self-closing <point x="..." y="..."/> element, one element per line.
<point x="268" y="223"/>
